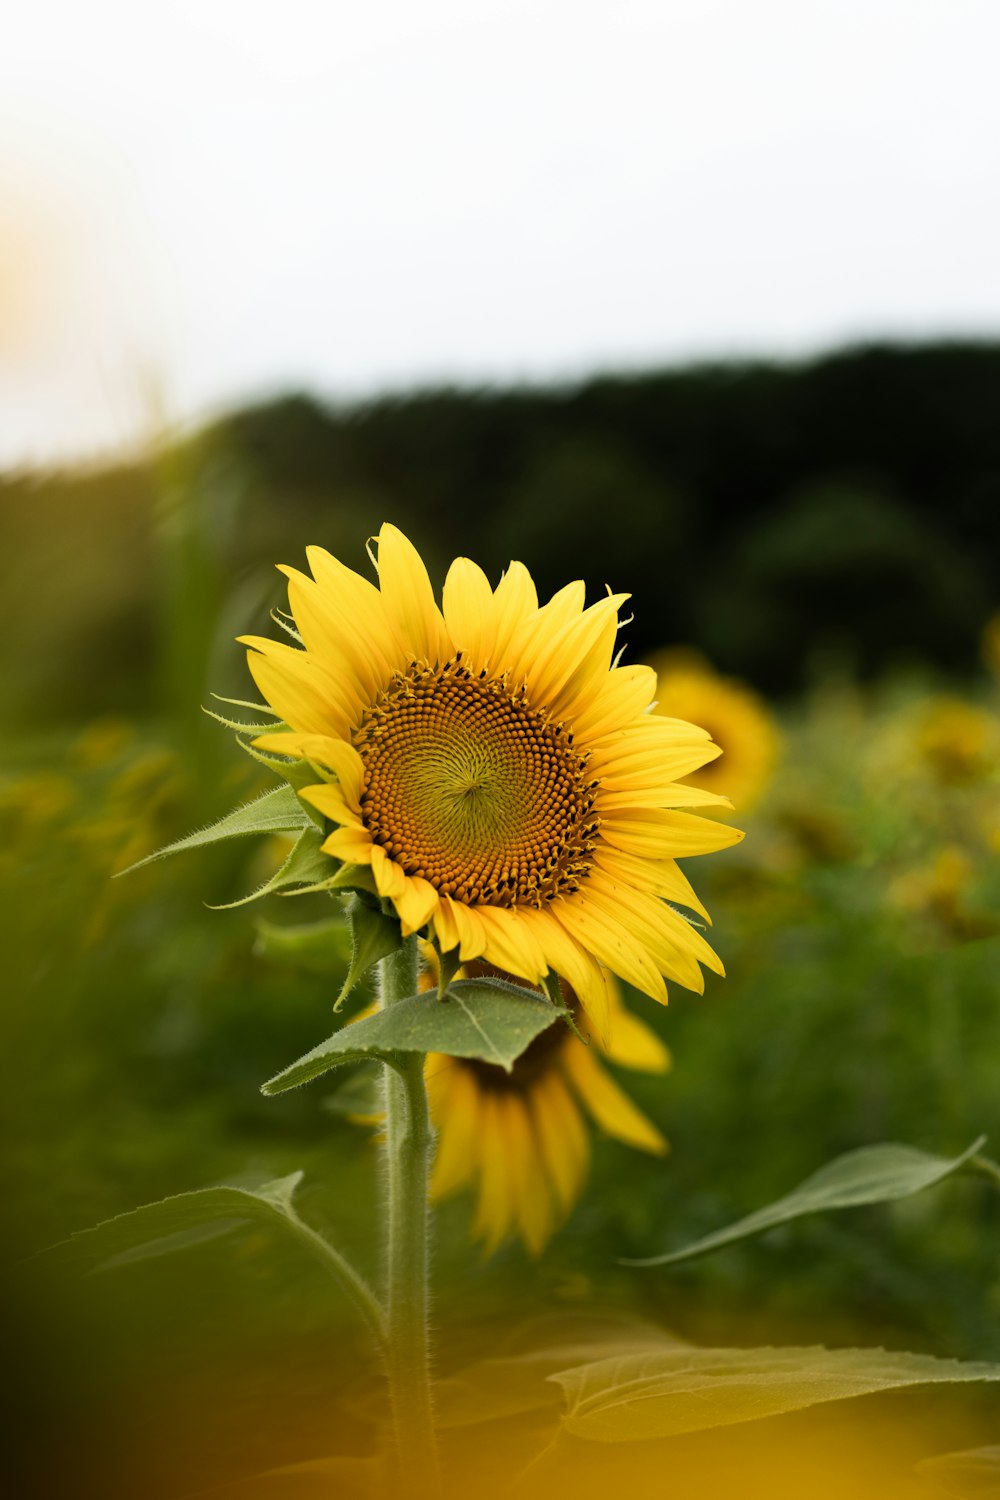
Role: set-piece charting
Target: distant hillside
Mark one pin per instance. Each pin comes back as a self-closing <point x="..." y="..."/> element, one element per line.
<point x="772" y="514"/>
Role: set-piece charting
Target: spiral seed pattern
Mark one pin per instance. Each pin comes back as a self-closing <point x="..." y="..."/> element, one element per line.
<point x="471" y="788"/>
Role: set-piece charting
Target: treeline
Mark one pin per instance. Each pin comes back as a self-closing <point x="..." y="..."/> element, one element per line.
<point x="776" y="516"/>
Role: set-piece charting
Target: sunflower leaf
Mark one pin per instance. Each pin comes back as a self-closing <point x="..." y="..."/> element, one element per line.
<point x="480" y="1018"/>
<point x="173" y="1223"/>
<point x="306" y="863"/>
<point x="661" y="1393"/>
<point x="972" y="1474"/>
<point x="373" y="937"/>
<point x="873" y="1174"/>
<point x="277" y="811"/>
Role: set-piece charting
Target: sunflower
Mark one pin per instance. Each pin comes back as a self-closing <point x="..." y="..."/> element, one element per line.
<point x="494" y="770"/>
<point x="737" y="719"/>
<point x="522" y="1137"/>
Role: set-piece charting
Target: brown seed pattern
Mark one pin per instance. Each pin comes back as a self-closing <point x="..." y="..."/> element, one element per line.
<point x="471" y="788"/>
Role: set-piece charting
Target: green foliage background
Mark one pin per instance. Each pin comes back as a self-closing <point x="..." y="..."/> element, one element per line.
<point x="830" y="533"/>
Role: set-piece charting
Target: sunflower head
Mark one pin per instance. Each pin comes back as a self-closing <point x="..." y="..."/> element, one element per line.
<point x="493" y="771"/>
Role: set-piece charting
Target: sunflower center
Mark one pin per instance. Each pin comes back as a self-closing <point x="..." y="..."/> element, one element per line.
<point x="471" y="788"/>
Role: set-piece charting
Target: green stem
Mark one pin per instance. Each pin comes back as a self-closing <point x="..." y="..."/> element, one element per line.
<point x="408" y="1141"/>
<point x="986" y="1167"/>
<point x="346" y="1277"/>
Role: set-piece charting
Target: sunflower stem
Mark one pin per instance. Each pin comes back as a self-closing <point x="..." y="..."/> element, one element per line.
<point x="408" y="1142"/>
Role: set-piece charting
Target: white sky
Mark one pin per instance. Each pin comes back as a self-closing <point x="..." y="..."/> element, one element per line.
<point x="208" y="199"/>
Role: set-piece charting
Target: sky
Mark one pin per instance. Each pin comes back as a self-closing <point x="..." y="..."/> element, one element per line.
<point x="209" y="201"/>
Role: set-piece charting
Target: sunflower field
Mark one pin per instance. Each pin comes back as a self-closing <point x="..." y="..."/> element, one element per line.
<point x="352" y="1148"/>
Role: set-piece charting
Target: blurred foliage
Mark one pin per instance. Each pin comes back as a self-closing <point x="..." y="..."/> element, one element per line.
<point x="774" y="516"/>
<point x="804" y="528"/>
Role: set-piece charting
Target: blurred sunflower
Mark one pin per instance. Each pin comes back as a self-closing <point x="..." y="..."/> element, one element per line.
<point x="956" y="740"/>
<point x="498" y="774"/>
<point x="737" y="719"/>
<point x="521" y="1137"/>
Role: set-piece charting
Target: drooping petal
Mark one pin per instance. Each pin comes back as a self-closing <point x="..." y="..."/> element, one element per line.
<point x="454" y="1103"/>
<point x="609" y="1105"/>
<point x="562" y="1138"/>
<point x="529" y="1187"/>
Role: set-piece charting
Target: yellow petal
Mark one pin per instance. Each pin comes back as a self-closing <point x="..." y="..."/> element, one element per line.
<point x="454" y="1102"/>
<point x="660" y="877"/>
<point x="345" y="646"/>
<point x="354" y="604"/>
<point x="330" y="801"/>
<point x="625" y="694"/>
<point x="495" y="1210"/>
<point x="511" y="945"/>
<point x="322" y="750"/>
<point x="416" y="903"/>
<point x="609" y="1105"/>
<point x="470" y="612"/>
<point x="565" y="957"/>
<point x="514" y="601"/>
<point x="562" y="1138"/>
<point x="298" y="688"/>
<point x="352" y="845"/>
<point x="663" y="794"/>
<point x="408" y="599"/>
<point x="472" y="937"/>
<point x="390" y="880"/>
<point x="661" y="833"/>
<point x="633" y="1043"/>
<point x="529" y="1186"/>
<point x="538" y="635"/>
<point x="611" y="943"/>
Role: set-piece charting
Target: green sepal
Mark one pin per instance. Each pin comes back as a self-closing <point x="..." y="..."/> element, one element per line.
<point x="873" y="1174"/>
<point x="306" y="861"/>
<point x="298" y="773"/>
<point x="373" y="937"/>
<point x="479" y="1018"/>
<point x="319" y="947"/>
<point x="353" y="878"/>
<point x="448" y="966"/>
<point x="553" y="989"/>
<point x="277" y="811"/>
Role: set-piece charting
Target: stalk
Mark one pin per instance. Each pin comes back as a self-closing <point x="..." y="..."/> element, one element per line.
<point x="408" y="1141"/>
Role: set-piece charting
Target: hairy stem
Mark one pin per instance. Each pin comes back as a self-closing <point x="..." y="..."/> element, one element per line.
<point x="408" y="1141"/>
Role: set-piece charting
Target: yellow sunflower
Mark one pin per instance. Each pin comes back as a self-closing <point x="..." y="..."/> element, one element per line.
<point x="500" y="776"/>
<point x="738" y="720"/>
<point x="522" y="1137"/>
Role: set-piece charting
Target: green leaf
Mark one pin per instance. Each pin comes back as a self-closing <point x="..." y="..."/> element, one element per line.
<point x="167" y="1225"/>
<point x="277" y="811"/>
<point x="481" y="1018"/>
<point x="874" y="1174"/>
<point x="513" y="1383"/>
<point x="665" y="1392"/>
<point x="306" y="864"/>
<point x="345" y="1478"/>
<point x="175" y="1223"/>
<point x="373" y="937"/>
<point x="972" y="1474"/>
<point x="318" y="947"/>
